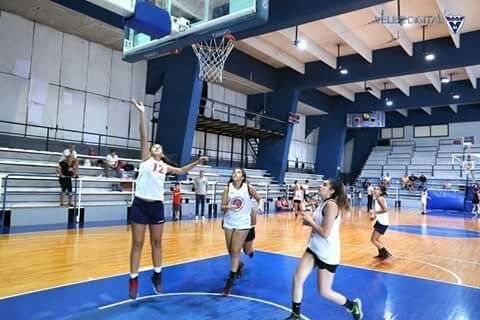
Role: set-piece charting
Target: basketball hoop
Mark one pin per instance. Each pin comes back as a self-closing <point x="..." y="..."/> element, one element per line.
<point x="212" y="55"/>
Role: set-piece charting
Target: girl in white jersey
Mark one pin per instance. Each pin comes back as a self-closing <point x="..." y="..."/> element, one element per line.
<point x="237" y="222"/>
<point x="297" y="198"/>
<point x="323" y="250"/>
<point x="147" y="207"/>
<point x="381" y="225"/>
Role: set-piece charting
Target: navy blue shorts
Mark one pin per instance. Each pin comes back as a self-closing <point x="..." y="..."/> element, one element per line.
<point x="250" y="235"/>
<point x="380" y="228"/>
<point x="146" y="212"/>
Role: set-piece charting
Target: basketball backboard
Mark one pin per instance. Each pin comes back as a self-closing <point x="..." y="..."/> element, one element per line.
<point x="194" y="21"/>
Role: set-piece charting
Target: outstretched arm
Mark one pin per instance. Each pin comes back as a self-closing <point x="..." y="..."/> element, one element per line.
<point x="188" y="167"/>
<point x="143" y="130"/>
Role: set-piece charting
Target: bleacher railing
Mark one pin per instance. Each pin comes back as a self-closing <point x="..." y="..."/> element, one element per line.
<point x="52" y="135"/>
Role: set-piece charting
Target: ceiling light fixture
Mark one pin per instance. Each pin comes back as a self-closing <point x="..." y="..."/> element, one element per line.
<point x="297" y="42"/>
<point x="341" y="69"/>
<point x="428" y="56"/>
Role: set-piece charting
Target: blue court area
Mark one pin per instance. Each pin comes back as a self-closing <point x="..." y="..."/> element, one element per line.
<point x="424" y="230"/>
<point x="264" y="292"/>
<point x="451" y="214"/>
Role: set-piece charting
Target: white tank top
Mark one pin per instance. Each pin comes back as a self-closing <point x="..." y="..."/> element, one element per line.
<point x="326" y="249"/>
<point x="382" y="218"/>
<point x="297" y="195"/>
<point x="240" y="198"/>
<point x="151" y="177"/>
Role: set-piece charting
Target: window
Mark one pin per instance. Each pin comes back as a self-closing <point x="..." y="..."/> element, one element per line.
<point x="440" y="130"/>
<point x="386" y="133"/>
<point x="392" y="133"/>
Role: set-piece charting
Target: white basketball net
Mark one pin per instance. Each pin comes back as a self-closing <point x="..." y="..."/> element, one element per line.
<point x="212" y="55"/>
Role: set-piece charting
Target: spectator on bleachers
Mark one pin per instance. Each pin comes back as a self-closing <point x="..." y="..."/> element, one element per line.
<point x="413" y="180"/>
<point x="423" y="181"/>
<point x="386" y="180"/>
<point x="446" y="185"/>
<point x="88" y="162"/>
<point x="365" y="184"/>
<point x="111" y="164"/>
<point x="405" y="181"/>
<point x="282" y="204"/>
<point x="66" y="170"/>
<point x="177" y="202"/>
<point x="69" y="151"/>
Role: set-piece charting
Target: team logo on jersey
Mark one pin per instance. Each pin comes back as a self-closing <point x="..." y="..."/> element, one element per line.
<point x="455" y="22"/>
<point x="237" y="202"/>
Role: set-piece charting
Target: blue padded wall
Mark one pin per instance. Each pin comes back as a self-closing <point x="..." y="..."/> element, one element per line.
<point x="150" y="19"/>
<point x="179" y="106"/>
<point x="445" y="200"/>
<point x="273" y="153"/>
<point x="331" y="142"/>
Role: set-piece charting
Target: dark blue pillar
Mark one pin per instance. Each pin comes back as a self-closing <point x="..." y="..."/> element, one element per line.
<point x="273" y="152"/>
<point x="331" y="140"/>
<point x="365" y="139"/>
<point x="179" y="106"/>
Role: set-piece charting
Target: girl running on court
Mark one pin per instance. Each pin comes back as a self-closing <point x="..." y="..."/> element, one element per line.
<point x="381" y="225"/>
<point x="323" y="251"/>
<point x="237" y="222"/>
<point x="147" y="207"/>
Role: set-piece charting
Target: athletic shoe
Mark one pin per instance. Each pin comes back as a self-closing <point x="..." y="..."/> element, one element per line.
<point x="203" y="218"/>
<point x="227" y="290"/>
<point x="356" y="311"/>
<point x="133" y="288"/>
<point x="196" y="217"/>
<point x="157" y="282"/>
<point x="241" y="266"/>
<point x="293" y="316"/>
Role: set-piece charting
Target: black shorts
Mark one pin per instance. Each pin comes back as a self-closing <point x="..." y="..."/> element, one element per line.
<point x="297" y="201"/>
<point x="66" y="184"/>
<point x="176" y="206"/>
<point x="146" y="212"/>
<point x="380" y="228"/>
<point x="332" y="268"/>
<point x="250" y="235"/>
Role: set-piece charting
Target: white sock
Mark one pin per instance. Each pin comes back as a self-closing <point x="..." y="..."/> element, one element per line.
<point x="133" y="275"/>
<point x="157" y="269"/>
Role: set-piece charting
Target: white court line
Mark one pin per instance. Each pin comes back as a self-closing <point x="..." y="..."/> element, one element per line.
<point x="107" y="277"/>
<point x="199" y="293"/>
<point x="459" y="281"/>
<point x="386" y="272"/>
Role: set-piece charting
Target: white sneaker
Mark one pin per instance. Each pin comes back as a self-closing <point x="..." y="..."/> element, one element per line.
<point x="203" y="218"/>
<point x="196" y="217"/>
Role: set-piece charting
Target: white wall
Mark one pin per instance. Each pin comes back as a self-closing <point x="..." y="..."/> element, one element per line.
<point x="303" y="148"/>
<point x="51" y="78"/>
<point x="456" y="130"/>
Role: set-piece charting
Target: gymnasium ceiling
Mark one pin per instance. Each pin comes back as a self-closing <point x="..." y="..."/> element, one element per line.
<point x="365" y="46"/>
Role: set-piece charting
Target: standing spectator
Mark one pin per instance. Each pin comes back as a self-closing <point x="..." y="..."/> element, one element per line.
<point x="111" y="163"/>
<point x="475" y="202"/>
<point x="370" y="198"/>
<point x="66" y="170"/>
<point x="177" y="202"/>
<point x="423" y="201"/>
<point x="201" y="189"/>
<point x="305" y="188"/>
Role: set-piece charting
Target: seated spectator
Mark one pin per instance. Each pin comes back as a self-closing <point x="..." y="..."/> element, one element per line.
<point x="282" y="204"/>
<point x="66" y="170"/>
<point x="111" y="164"/>
<point x="386" y="180"/>
<point x="412" y="178"/>
<point x="405" y="181"/>
<point x="88" y="162"/>
<point x="423" y="181"/>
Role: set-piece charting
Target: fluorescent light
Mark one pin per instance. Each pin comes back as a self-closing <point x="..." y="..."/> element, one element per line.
<point x="344" y="71"/>
<point x="456" y="96"/>
<point x="429" y="56"/>
<point x="445" y="80"/>
<point x="302" y="44"/>
<point x="389" y="103"/>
